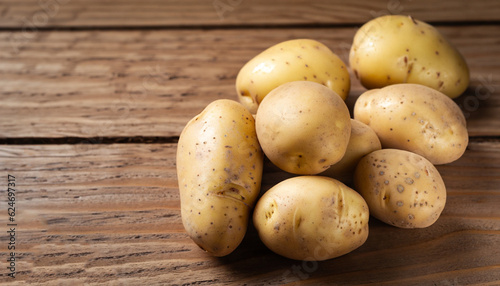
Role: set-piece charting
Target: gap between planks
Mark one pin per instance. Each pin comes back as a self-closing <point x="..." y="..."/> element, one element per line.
<point x="144" y="140"/>
<point x="242" y="26"/>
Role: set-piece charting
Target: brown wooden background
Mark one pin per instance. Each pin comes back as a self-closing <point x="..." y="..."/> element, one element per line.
<point x="93" y="97"/>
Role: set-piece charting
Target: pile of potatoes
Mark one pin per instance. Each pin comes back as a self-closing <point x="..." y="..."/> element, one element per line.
<point x="291" y="110"/>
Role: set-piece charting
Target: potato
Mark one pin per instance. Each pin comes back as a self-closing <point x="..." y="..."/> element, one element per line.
<point x="303" y="127"/>
<point x="299" y="59"/>
<point x="311" y="218"/>
<point x="399" y="49"/>
<point x="363" y="140"/>
<point x="401" y="188"/>
<point x="219" y="169"/>
<point x="415" y="118"/>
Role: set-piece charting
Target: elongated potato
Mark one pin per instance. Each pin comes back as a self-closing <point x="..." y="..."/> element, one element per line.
<point x="416" y="118"/>
<point x="311" y="218"/>
<point x="399" y="49"/>
<point x="293" y="60"/>
<point x="219" y="169"/>
<point x="401" y="188"/>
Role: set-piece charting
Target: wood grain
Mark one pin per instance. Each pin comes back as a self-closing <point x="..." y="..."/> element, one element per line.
<point x="109" y="214"/>
<point x="151" y="82"/>
<point x="34" y="14"/>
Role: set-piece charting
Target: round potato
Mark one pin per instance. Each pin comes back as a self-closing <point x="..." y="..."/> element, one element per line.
<point x="401" y="188"/>
<point x="219" y="169"/>
<point x="415" y="118"/>
<point x="311" y="218"/>
<point x="363" y="140"/>
<point x="303" y="127"/>
<point x="399" y="49"/>
<point x="293" y="60"/>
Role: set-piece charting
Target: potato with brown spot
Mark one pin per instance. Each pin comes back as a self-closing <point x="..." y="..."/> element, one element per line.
<point x="415" y="118"/>
<point x="396" y="49"/>
<point x="292" y="60"/>
<point x="303" y="127"/>
<point x="219" y="169"/>
<point x="401" y="188"/>
<point x="311" y="218"/>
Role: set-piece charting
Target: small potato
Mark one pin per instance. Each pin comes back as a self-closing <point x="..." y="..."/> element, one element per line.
<point x="303" y="127"/>
<point x="401" y="188"/>
<point x="415" y="118"/>
<point x="219" y="169"/>
<point x="399" y="49"/>
<point x="363" y="140"/>
<point x="311" y="218"/>
<point x="299" y="59"/>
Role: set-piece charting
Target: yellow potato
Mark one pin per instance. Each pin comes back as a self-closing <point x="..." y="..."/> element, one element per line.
<point x="311" y="218"/>
<point x="399" y="49"/>
<point x="303" y="127"/>
<point x="401" y="188"/>
<point x="293" y="60"/>
<point x="415" y="118"/>
<point x="219" y="169"/>
<point x="363" y="140"/>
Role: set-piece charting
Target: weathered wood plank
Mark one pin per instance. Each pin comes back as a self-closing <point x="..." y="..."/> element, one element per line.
<point x="151" y="82"/>
<point x="34" y="14"/>
<point x="110" y="214"/>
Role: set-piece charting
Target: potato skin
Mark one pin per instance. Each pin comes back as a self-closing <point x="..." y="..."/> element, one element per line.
<point x="292" y="60"/>
<point x="363" y="140"/>
<point x="401" y="188"/>
<point x="219" y="169"/>
<point x="303" y="127"/>
<point x="311" y="218"/>
<point x="415" y="118"/>
<point x="399" y="49"/>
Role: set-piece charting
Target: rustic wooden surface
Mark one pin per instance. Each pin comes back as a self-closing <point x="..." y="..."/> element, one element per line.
<point x="79" y="83"/>
<point x="93" y="99"/>
<point x="189" y="13"/>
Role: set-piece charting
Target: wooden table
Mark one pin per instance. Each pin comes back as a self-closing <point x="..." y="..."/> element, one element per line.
<point x="93" y="97"/>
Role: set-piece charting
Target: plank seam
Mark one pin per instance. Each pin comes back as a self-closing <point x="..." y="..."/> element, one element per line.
<point x="89" y="140"/>
<point x="141" y="139"/>
<point x="243" y="26"/>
